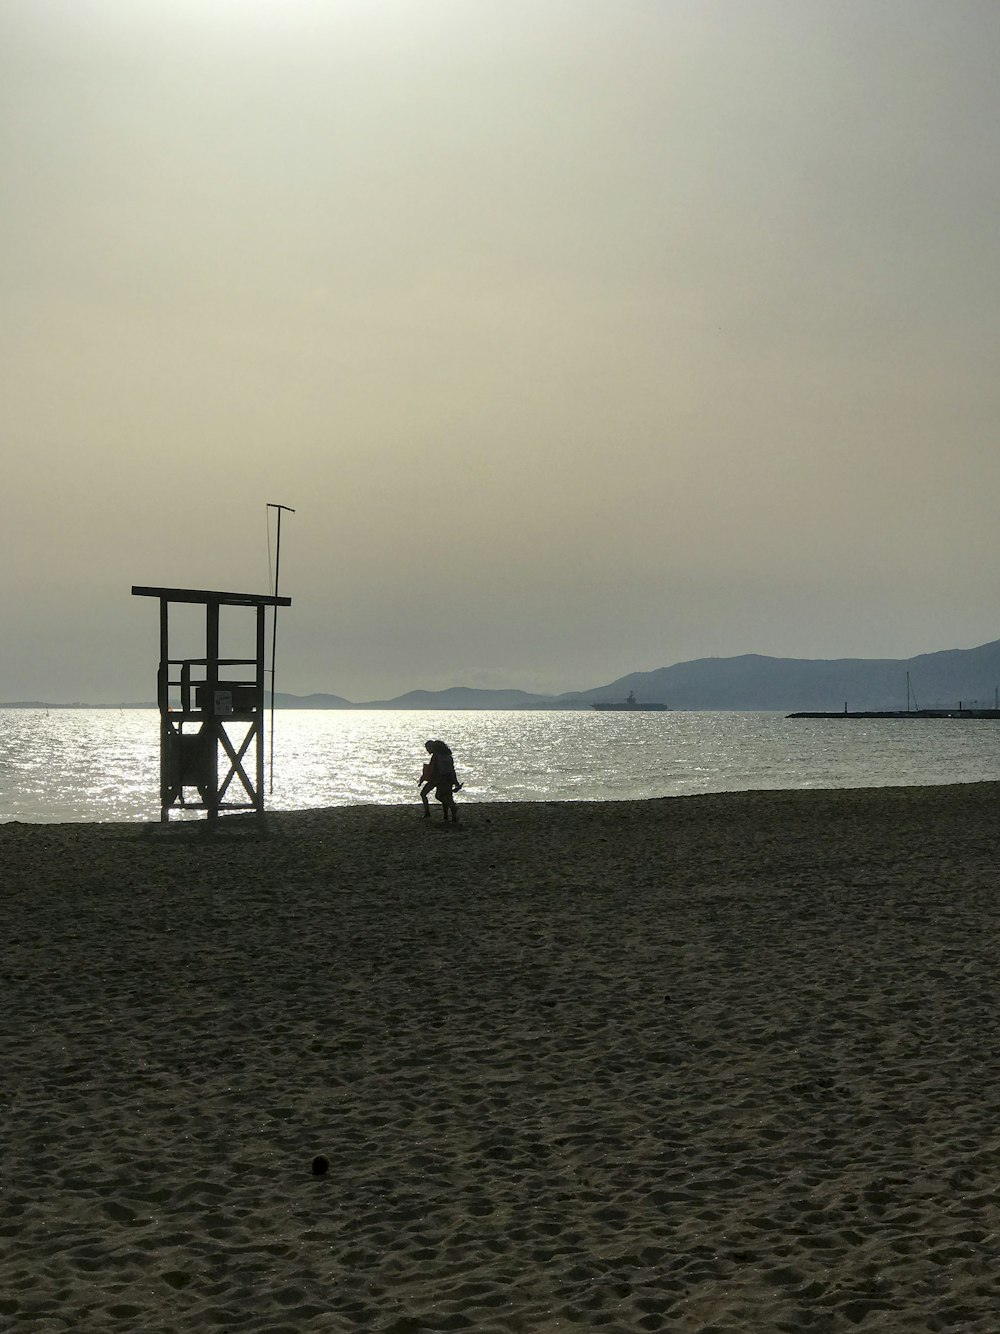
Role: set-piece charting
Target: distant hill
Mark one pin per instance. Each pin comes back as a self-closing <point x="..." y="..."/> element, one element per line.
<point x="457" y="697"/>
<point x="751" y="681"/>
<point x="44" y="704"/>
<point x="937" y="680"/>
<point x="319" y="701"/>
<point x="463" y="697"/>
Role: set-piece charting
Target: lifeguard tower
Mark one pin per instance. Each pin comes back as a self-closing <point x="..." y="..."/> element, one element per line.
<point x="220" y="714"/>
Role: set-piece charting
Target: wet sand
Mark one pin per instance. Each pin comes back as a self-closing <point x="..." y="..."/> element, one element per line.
<point x="722" y="1063"/>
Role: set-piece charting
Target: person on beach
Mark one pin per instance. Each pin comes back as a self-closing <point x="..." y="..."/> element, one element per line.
<point x="426" y="779"/>
<point x="438" y="775"/>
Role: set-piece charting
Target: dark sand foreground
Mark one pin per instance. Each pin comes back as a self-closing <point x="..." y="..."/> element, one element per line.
<point x="723" y="1063"/>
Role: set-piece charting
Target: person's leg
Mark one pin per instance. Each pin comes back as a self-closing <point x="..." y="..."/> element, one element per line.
<point x="424" y="792"/>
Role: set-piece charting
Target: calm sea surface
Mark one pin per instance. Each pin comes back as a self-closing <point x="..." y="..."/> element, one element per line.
<point x="103" y="764"/>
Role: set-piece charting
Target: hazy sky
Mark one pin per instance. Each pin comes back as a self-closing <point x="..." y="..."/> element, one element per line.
<point x="585" y="336"/>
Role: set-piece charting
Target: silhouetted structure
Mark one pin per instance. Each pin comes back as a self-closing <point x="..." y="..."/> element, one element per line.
<point x="223" y="711"/>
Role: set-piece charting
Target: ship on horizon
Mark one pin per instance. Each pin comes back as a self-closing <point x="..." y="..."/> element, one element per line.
<point x="628" y="705"/>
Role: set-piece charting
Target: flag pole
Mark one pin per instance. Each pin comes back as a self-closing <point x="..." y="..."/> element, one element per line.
<point x="274" y="627"/>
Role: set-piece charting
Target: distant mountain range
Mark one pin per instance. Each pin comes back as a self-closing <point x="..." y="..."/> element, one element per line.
<point x="936" y="681"/>
<point x="457" y="697"/>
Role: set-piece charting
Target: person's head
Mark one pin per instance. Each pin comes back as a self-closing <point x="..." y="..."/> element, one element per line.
<point x="430" y="747"/>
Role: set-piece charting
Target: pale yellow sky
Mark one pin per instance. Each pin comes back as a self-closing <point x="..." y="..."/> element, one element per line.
<point x="585" y="337"/>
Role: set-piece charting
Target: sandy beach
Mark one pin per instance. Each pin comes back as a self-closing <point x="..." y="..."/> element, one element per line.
<point x="720" y="1063"/>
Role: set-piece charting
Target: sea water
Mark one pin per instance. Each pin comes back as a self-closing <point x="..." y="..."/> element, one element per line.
<point x="103" y="764"/>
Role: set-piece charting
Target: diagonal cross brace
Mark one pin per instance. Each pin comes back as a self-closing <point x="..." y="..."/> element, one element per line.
<point x="236" y="767"/>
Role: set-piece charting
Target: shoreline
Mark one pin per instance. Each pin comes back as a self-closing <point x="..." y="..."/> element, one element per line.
<point x="687" y="1063"/>
<point x="472" y="805"/>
